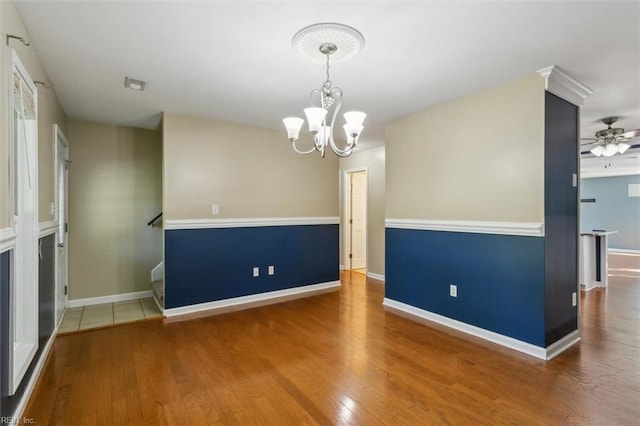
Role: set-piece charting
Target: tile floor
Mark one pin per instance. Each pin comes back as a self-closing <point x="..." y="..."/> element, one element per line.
<point x="95" y="316"/>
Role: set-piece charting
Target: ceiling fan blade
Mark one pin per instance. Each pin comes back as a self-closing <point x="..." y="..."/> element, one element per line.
<point x="631" y="134"/>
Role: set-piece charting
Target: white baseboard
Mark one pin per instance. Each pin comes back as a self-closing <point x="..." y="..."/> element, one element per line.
<point x="625" y="251"/>
<point x="509" y="342"/>
<point x="342" y="267"/>
<point x="109" y="299"/>
<point x="251" y="299"/>
<point x="563" y="344"/>
<point x="377" y="277"/>
<point x="19" y="411"/>
<point x="589" y="286"/>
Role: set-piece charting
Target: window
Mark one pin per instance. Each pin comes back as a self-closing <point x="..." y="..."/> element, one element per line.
<point x="24" y="283"/>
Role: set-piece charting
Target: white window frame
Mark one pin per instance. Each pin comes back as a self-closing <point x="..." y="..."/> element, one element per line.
<point x="23" y="292"/>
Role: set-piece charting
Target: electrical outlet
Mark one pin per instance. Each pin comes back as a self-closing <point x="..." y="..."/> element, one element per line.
<point x="574" y="299"/>
<point x="453" y="290"/>
<point x="256" y="271"/>
<point x="271" y="270"/>
<point x="215" y="209"/>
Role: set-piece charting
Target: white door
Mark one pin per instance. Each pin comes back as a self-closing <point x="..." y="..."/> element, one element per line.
<point x="358" y="220"/>
<point x="62" y="176"/>
<point x="24" y="163"/>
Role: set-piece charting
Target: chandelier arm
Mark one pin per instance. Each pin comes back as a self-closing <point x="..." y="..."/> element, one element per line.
<point x="344" y="154"/>
<point x="313" y="92"/>
<point x="295" y="148"/>
<point x="350" y="145"/>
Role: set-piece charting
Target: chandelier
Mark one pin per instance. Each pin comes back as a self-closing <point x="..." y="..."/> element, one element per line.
<point x="323" y="42"/>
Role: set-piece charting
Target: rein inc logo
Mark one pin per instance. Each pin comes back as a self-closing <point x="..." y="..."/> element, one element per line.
<point x="17" y="421"/>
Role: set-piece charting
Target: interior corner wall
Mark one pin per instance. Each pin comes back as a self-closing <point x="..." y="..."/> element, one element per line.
<point x="374" y="160"/>
<point x="115" y="188"/>
<point x="251" y="173"/>
<point x="614" y="209"/>
<point x="478" y="160"/>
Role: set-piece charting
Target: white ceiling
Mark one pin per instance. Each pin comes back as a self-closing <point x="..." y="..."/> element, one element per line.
<point x="233" y="60"/>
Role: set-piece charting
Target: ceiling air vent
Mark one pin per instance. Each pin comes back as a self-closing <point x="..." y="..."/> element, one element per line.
<point x="134" y="84"/>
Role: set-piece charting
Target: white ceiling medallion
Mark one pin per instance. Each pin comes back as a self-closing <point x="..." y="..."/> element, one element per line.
<point x="348" y="41"/>
<point x="327" y="42"/>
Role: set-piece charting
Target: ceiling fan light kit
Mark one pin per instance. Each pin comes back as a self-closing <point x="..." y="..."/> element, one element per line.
<point x="322" y="42"/>
<point x="612" y="141"/>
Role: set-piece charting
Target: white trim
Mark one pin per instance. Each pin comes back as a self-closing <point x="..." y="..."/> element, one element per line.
<point x="157" y="273"/>
<point x="625" y="251"/>
<point x="373" y="275"/>
<point x="474" y="227"/>
<point x="556" y="348"/>
<point x="35" y="375"/>
<point x="564" y="86"/>
<point x="23" y="285"/>
<point x="248" y="222"/>
<point x="47" y="228"/>
<point x="76" y="303"/>
<point x="342" y="267"/>
<point x="589" y="286"/>
<point x="7" y="239"/>
<point x="250" y="299"/>
<point x="509" y="342"/>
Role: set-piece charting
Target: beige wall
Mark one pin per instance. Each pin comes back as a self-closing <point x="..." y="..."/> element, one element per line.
<point x="478" y="158"/>
<point x="374" y="161"/>
<point x="49" y="113"/>
<point x="114" y="190"/>
<point x="249" y="172"/>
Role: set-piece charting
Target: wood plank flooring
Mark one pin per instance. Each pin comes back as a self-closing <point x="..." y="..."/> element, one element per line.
<point x="340" y="358"/>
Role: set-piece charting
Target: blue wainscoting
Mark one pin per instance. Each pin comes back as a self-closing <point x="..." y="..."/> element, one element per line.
<point x="500" y="278"/>
<point x="46" y="320"/>
<point x="206" y="265"/>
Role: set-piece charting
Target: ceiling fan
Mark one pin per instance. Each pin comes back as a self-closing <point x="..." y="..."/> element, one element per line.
<point x="611" y="141"/>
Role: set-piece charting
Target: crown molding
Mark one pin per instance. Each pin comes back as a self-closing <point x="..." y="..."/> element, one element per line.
<point x="559" y="83"/>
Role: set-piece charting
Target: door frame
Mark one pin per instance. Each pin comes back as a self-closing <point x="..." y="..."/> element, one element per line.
<point x="346" y="209"/>
<point x="58" y="135"/>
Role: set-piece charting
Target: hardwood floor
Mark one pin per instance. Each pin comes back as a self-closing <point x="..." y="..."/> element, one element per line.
<point x="340" y="358"/>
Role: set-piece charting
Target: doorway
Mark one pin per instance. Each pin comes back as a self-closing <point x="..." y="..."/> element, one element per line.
<point x="356" y="220"/>
<point x="62" y="204"/>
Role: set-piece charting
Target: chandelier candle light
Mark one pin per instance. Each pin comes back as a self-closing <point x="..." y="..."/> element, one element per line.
<point x="322" y="42"/>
